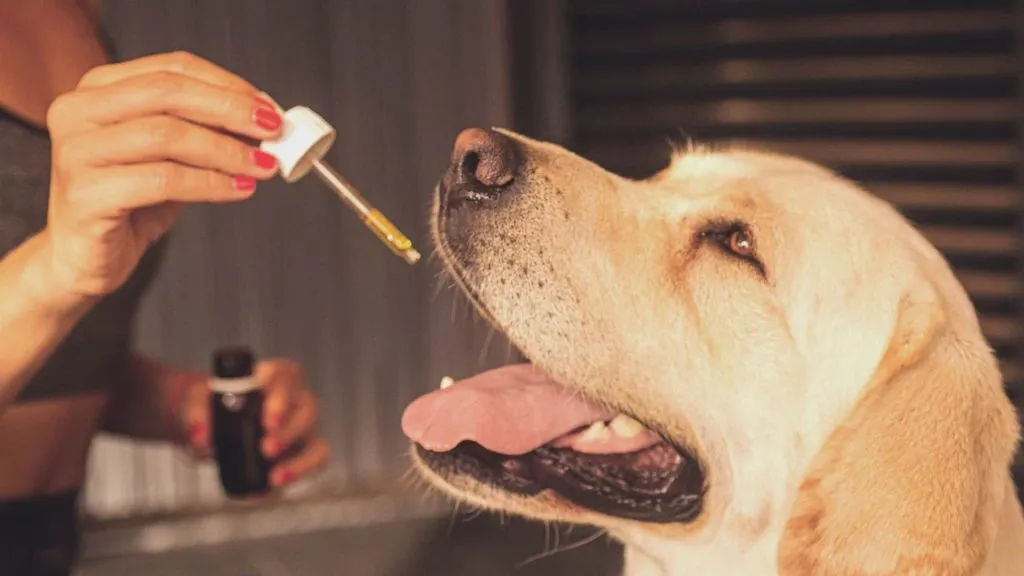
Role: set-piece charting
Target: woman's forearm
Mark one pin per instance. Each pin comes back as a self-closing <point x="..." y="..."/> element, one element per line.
<point x="145" y="403"/>
<point x="35" y="316"/>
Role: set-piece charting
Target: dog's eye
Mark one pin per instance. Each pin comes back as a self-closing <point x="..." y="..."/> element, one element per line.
<point x="740" y="243"/>
<point x="735" y="239"/>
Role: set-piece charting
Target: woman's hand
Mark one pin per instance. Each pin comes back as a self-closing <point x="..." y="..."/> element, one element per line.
<point x="289" y="420"/>
<point x="132" y="144"/>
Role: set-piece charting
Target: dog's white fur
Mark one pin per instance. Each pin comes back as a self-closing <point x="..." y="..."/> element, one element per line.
<point x="846" y="406"/>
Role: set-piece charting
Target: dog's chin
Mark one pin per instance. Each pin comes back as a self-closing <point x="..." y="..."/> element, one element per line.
<point x="613" y="466"/>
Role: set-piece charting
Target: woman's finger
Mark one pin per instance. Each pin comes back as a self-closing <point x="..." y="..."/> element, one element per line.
<point x="165" y="93"/>
<point x="195" y="418"/>
<point x="112" y="191"/>
<point x="299" y="423"/>
<point x="160" y="138"/>
<point x="183" y="63"/>
<point x="313" y="456"/>
<point x="282" y="380"/>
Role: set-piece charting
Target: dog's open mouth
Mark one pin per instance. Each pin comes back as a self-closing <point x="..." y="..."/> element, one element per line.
<point x="514" y="428"/>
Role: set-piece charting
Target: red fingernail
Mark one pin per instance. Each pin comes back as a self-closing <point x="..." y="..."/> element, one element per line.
<point x="266" y="117"/>
<point x="284" y="477"/>
<point x="196" y="433"/>
<point x="244" y="183"/>
<point x="273" y="447"/>
<point x="262" y="159"/>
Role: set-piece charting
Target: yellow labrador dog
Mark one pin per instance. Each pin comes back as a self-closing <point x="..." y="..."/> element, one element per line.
<point x="744" y="365"/>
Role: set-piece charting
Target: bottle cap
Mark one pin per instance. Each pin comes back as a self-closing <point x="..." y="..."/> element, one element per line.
<point x="305" y="138"/>
<point x="233" y="362"/>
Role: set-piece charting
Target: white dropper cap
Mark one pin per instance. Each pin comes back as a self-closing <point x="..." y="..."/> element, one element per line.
<point x="305" y="138"/>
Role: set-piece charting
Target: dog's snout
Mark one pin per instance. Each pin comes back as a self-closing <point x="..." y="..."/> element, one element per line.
<point x="485" y="157"/>
<point x="483" y="165"/>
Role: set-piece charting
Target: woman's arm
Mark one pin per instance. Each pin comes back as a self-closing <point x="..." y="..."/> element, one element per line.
<point x="145" y="404"/>
<point x="158" y="402"/>
<point x="35" y="316"/>
<point x="132" y="144"/>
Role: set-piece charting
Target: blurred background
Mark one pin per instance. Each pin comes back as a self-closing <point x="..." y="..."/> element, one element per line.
<point x="922" y="105"/>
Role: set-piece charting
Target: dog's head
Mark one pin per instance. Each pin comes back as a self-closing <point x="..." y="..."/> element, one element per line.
<point x="700" y="345"/>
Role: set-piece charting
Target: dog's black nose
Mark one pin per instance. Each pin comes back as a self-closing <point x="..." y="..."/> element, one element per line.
<point x="484" y="156"/>
<point x="483" y="164"/>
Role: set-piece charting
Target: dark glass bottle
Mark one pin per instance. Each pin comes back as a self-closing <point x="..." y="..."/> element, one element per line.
<point x="236" y="405"/>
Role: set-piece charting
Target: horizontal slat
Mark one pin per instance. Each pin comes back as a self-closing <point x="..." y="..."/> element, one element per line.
<point x="972" y="240"/>
<point x="597" y="79"/>
<point x="925" y="196"/>
<point x="1001" y="263"/>
<point x="888" y="152"/>
<point x="946" y="44"/>
<point x="991" y="284"/>
<point x="830" y="153"/>
<point x="1001" y="329"/>
<point x="1012" y="373"/>
<point x="617" y="12"/>
<point x="829" y="26"/>
<point x="832" y="132"/>
<point x="667" y="116"/>
<point x="644" y="166"/>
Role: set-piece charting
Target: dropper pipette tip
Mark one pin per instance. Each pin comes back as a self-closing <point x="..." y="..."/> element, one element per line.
<point x="387" y="232"/>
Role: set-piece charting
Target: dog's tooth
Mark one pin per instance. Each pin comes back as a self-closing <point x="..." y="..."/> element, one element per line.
<point x="597" y="431"/>
<point x="625" y="426"/>
<point x="446" y="382"/>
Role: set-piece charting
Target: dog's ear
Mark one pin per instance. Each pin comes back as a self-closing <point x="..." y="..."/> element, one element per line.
<point x="911" y="482"/>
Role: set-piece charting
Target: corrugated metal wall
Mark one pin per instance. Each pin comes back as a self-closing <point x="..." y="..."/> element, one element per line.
<point x="292" y="272"/>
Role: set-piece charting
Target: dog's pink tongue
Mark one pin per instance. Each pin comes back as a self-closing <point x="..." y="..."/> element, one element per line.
<point x="510" y="410"/>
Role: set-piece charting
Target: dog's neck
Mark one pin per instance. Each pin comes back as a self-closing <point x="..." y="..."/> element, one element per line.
<point x="726" y="555"/>
<point x="747" y="505"/>
<point x="744" y="544"/>
<point x="647" y="555"/>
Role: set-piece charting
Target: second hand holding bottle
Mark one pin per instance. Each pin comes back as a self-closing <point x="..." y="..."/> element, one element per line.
<point x="304" y="141"/>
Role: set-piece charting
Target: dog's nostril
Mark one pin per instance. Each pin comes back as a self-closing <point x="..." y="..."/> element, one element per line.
<point x="485" y="157"/>
<point x="470" y="163"/>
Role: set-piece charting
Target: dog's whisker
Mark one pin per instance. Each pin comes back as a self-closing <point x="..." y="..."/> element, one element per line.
<point x="486" y="346"/>
<point x="409" y="478"/>
<point x="454" y="516"/>
<point x="434" y="255"/>
<point x="455" y="309"/>
<point x="569" y="547"/>
<point x="688" y="144"/>
<point x="441" y="283"/>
